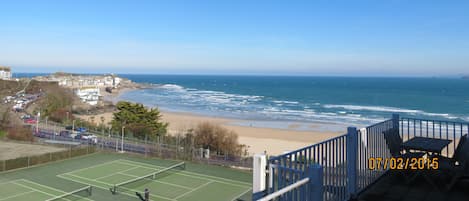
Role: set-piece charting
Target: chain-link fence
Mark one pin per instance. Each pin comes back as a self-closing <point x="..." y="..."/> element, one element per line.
<point x="166" y="148"/>
<point x="28" y="161"/>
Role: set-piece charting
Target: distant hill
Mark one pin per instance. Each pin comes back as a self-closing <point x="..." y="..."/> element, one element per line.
<point x="466" y="77"/>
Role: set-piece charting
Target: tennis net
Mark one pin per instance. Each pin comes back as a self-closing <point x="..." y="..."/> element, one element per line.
<point x="140" y="181"/>
<point x="79" y="194"/>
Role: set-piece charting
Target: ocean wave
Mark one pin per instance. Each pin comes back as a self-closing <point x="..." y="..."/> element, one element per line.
<point x="314" y="116"/>
<point x="372" y="108"/>
<point x="171" y="87"/>
<point x="286" y="102"/>
<point x="260" y="107"/>
<point x="388" y="109"/>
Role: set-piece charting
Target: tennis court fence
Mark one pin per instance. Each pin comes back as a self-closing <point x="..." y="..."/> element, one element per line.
<point x="28" y="161"/>
<point x="162" y="148"/>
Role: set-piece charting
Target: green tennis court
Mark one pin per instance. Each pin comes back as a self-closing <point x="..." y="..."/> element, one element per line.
<point x="102" y="171"/>
<point x="25" y="190"/>
<point x="173" y="184"/>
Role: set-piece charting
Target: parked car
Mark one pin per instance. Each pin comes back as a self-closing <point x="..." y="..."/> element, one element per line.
<point x="68" y="127"/>
<point x="80" y="129"/>
<point x="26" y="116"/>
<point x="92" y="138"/>
<point x="64" y="133"/>
<point x="30" y="121"/>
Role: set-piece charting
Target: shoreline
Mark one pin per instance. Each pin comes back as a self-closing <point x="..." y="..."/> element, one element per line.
<point x="257" y="135"/>
<point x="257" y="140"/>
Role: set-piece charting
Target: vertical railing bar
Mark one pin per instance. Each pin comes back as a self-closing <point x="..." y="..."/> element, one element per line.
<point x="292" y="179"/>
<point x="426" y="124"/>
<point x="342" y="147"/>
<point x="420" y="123"/>
<point x="310" y="157"/>
<point x="365" y="154"/>
<point x="454" y="137"/>
<point x="447" y="131"/>
<point x="439" y="125"/>
<point x="344" y="169"/>
<point x="334" y="178"/>
<point x="279" y="176"/>
<point x="408" y="129"/>
<point x="376" y="150"/>
<point x="460" y="134"/>
<point x="336" y="175"/>
<point x="371" y="152"/>
<point x="328" y="165"/>
<point x="400" y="126"/>
<point x="295" y="163"/>
<point x="433" y="128"/>
<point x="362" y="172"/>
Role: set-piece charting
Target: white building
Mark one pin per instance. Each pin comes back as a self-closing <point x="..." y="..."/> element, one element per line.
<point x="88" y="95"/>
<point x="5" y="73"/>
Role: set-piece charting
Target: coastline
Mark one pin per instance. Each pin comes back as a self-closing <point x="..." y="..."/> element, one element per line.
<point x="258" y="138"/>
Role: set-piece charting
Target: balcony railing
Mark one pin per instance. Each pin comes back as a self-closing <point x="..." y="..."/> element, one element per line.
<point x="338" y="168"/>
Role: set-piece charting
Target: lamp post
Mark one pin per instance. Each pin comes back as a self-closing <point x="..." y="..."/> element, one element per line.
<point x="47" y="127"/>
<point x="122" y="142"/>
<point x="73" y="126"/>
<point x="37" y="121"/>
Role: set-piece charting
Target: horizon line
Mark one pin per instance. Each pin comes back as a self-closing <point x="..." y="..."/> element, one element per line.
<point x="254" y="74"/>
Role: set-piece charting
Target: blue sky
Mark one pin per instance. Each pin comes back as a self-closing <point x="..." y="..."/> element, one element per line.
<point x="386" y="37"/>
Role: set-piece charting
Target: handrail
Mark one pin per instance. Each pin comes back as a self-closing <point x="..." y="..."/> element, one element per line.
<point x="284" y="190"/>
<point x="435" y="120"/>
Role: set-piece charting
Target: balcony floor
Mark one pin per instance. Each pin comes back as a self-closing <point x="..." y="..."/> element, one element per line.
<point x="392" y="187"/>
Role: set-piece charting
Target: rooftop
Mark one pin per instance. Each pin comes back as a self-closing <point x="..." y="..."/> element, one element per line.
<point x="5" y="68"/>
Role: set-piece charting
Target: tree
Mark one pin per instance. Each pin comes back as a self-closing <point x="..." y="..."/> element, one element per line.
<point x="92" y="120"/>
<point x="138" y="120"/>
<point x="217" y="138"/>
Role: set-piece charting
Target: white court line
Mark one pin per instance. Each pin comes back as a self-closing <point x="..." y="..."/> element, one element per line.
<point x="236" y="197"/>
<point x="6" y="182"/>
<point x="48" y="187"/>
<point x="72" y="175"/>
<point x="210" y="179"/>
<point x="133" y="168"/>
<point x="201" y="186"/>
<point x="17" y="195"/>
<point x="176" y="185"/>
<point x="34" y="189"/>
<point x="187" y="172"/>
<point x="104" y="188"/>
<point x="93" y="166"/>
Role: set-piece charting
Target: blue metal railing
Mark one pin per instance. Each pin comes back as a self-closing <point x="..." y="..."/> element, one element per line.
<point x="344" y="160"/>
<point x="330" y="155"/>
<point x="450" y="130"/>
<point x="371" y="144"/>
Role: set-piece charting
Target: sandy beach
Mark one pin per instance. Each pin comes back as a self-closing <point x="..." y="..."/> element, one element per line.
<point x="258" y="140"/>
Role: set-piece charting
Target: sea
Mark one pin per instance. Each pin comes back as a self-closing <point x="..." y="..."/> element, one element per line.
<point x="269" y="99"/>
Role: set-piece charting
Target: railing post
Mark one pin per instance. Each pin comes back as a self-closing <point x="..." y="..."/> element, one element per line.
<point x="259" y="176"/>
<point x="316" y="183"/>
<point x="395" y="121"/>
<point x="352" y="146"/>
